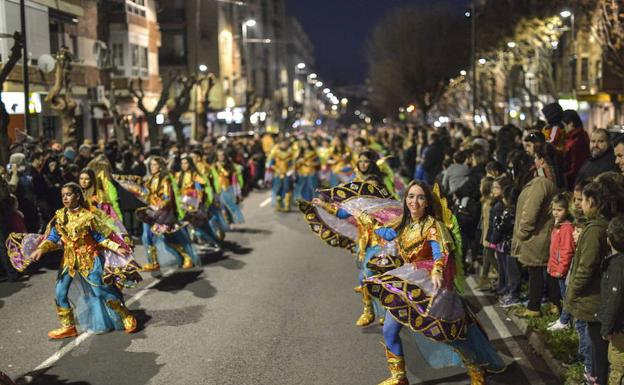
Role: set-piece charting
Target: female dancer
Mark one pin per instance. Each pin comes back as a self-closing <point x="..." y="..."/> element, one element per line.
<point x="228" y="179"/>
<point x="196" y="197"/>
<point x="95" y="258"/>
<point x="161" y="221"/>
<point x="102" y="195"/>
<point x="420" y="294"/>
<point x="306" y="166"/>
<point x="281" y="162"/>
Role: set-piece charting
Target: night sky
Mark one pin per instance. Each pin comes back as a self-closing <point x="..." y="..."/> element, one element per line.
<point x="339" y="28"/>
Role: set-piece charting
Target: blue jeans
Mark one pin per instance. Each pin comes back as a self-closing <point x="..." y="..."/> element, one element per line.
<point x="585" y="349"/>
<point x="565" y="317"/>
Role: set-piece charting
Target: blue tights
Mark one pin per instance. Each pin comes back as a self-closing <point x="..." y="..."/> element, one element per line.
<point x="391" y="330"/>
<point x="64" y="281"/>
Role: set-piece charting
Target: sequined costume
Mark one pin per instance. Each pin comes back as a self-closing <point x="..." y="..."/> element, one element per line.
<point x="407" y="293"/>
<point x="341" y="168"/>
<point x="163" y="233"/>
<point x="357" y="232"/>
<point x="92" y="266"/>
<point x="306" y="167"/>
<point x="229" y="184"/>
<point x="281" y="162"/>
<point x="196" y="198"/>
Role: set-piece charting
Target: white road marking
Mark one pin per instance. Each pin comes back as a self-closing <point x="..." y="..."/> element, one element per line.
<point x="265" y="202"/>
<point x="504" y="333"/>
<point x="82" y="337"/>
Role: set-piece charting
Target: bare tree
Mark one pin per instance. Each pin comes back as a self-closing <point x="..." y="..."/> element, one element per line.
<point x="179" y="104"/>
<point x="136" y="89"/>
<point x="407" y="65"/>
<point x="611" y="32"/>
<point x="60" y="95"/>
<point x="14" y="57"/>
<point x="204" y="86"/>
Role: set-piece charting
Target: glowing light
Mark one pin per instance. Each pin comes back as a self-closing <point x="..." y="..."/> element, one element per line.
<point x="250" y="23"/>
<point x="301" y="66"/>
<point x="203" y="67"/>
<point x="463" y="72"/>
<point x="482" y="61"/>
<point x="565" y="14"/>
<point x="410" y="108"/>
<point x="511" y="44"/>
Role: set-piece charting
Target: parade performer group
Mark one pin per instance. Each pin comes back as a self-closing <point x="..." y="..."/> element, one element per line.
<point x="98" y="260"/>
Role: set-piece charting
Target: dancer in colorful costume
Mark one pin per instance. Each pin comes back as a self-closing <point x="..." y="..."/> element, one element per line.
<point x="217" y="223"/>
<point x="101" y="194"/>
<point x="421" y="295"/>
<point x="229" y="183"/>
<point x="196" y="197"/>
<point x="96" y="261"/>
<point x="281" y="163"/>
<point x="329" y="217"/>
<point x="162" y="228"/>
<point x="306" y="167"/>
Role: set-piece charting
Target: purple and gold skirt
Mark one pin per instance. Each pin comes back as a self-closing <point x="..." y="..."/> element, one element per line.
<point x="407" y="293"/>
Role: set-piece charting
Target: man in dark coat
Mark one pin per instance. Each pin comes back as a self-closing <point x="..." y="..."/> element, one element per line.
<point x="602" y="157"/>
<point x="433" y="157"/>
<point x="576" y="147"/>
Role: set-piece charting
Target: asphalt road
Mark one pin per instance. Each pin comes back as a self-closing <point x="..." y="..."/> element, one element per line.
<point x="276" y="307"/>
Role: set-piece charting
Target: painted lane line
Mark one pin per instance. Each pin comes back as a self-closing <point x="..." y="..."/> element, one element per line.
<point x="265" y="202"/>
<point x="502" y="329"/>
<point x="82" y="337"/>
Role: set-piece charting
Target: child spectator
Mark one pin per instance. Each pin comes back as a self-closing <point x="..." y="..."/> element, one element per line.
<point x="562" y="248"/>
<point x="15" y="218"/>
<point x="612" y="301"/>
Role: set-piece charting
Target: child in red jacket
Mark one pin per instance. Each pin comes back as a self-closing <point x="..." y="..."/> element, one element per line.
<point x="562" y="246"/>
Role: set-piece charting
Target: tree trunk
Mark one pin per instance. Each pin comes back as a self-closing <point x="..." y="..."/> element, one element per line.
<point x="152" y="129"/>
<point x="179" y="130"/>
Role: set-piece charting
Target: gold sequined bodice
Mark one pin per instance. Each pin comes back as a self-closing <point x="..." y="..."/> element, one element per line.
<point x="159" y="191"/>
<point x="413" y="240"/>
<point x="283" y="159"/>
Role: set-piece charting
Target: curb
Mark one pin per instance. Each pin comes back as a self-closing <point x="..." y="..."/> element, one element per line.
<point x="536" y="343"/>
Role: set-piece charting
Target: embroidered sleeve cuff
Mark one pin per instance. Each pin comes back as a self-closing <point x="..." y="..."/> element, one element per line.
<point x="47" y="245"/>
<point x="438" y="267"/>
<point x="110" y="245"/>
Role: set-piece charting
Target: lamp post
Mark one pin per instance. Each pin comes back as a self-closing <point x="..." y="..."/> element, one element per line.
<point x="25" y="67"/>
<point x="247" y="24"/>
<point x="568" y="14"/>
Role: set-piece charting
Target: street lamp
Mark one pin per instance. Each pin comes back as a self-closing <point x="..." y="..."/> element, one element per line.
<point x="250" y="23"/>
<point x="203" y="68"/>
<point x="301" y="66"/>
<point x="482" y="61"/>
<point x="511" y="44"/>
<point x="463" y="72"/>
<point x="319" y="84"/>
<point x="326" y="90"/>
<point x="313" y="76"/>
<point x="568" y="14"/>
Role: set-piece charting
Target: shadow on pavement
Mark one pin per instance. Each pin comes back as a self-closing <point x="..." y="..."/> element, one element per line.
<point x="187" y="280"/>
<point x="169" y="317"/>
<point x="42" y="378"/>
<point x="244" y="230"/>
<point x="235" y="248"/>
<point x="102" y="360"/>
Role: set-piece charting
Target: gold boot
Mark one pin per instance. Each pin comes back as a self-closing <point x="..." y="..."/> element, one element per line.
<point x="357" y="289"/>
<point x="279" y="204"/>
<point x="129" y="322"/>
<point x="287" y="202"/>
<point x="476" y="374"/>
<point x="68" y="325"/>
<point x="152" y="259"/>
<point x="396" y="365"/>
<point x="368" y="315"/>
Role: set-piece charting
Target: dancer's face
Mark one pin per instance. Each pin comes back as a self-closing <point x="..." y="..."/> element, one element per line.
<point x="185" y="165"/>
<point x="69" y="198"/>
<point x="84" y="181"/>
<point x="416" y="201"/>
<point x="363" y="164"/>
<point x="154" y="167"/>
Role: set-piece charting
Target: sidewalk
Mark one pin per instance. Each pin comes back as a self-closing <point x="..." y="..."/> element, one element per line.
<point x="545" y="343"/>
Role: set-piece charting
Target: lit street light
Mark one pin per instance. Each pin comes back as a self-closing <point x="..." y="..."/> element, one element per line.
<point x="482" y="61"/>
<point x="326" y="90"/>
<point x="463" y="72"/>
<point x="203" y="68"/>
<point x="511" y="44"/>
<point x="250" y="23"/>
<point x="313" y="76"/>
<point x="319" y="84"/>
<point x="565" y="14"/>
<point x="301" y="66"/>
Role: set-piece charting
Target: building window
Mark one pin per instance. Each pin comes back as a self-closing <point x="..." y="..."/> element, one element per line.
<point x="140" y="60"/>
<point x="118" y="58"/>
<point x="136" y="7"/>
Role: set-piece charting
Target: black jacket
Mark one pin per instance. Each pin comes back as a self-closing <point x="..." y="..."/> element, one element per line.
<point x="611" y="313"/>
<point x="596" y="166"/>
